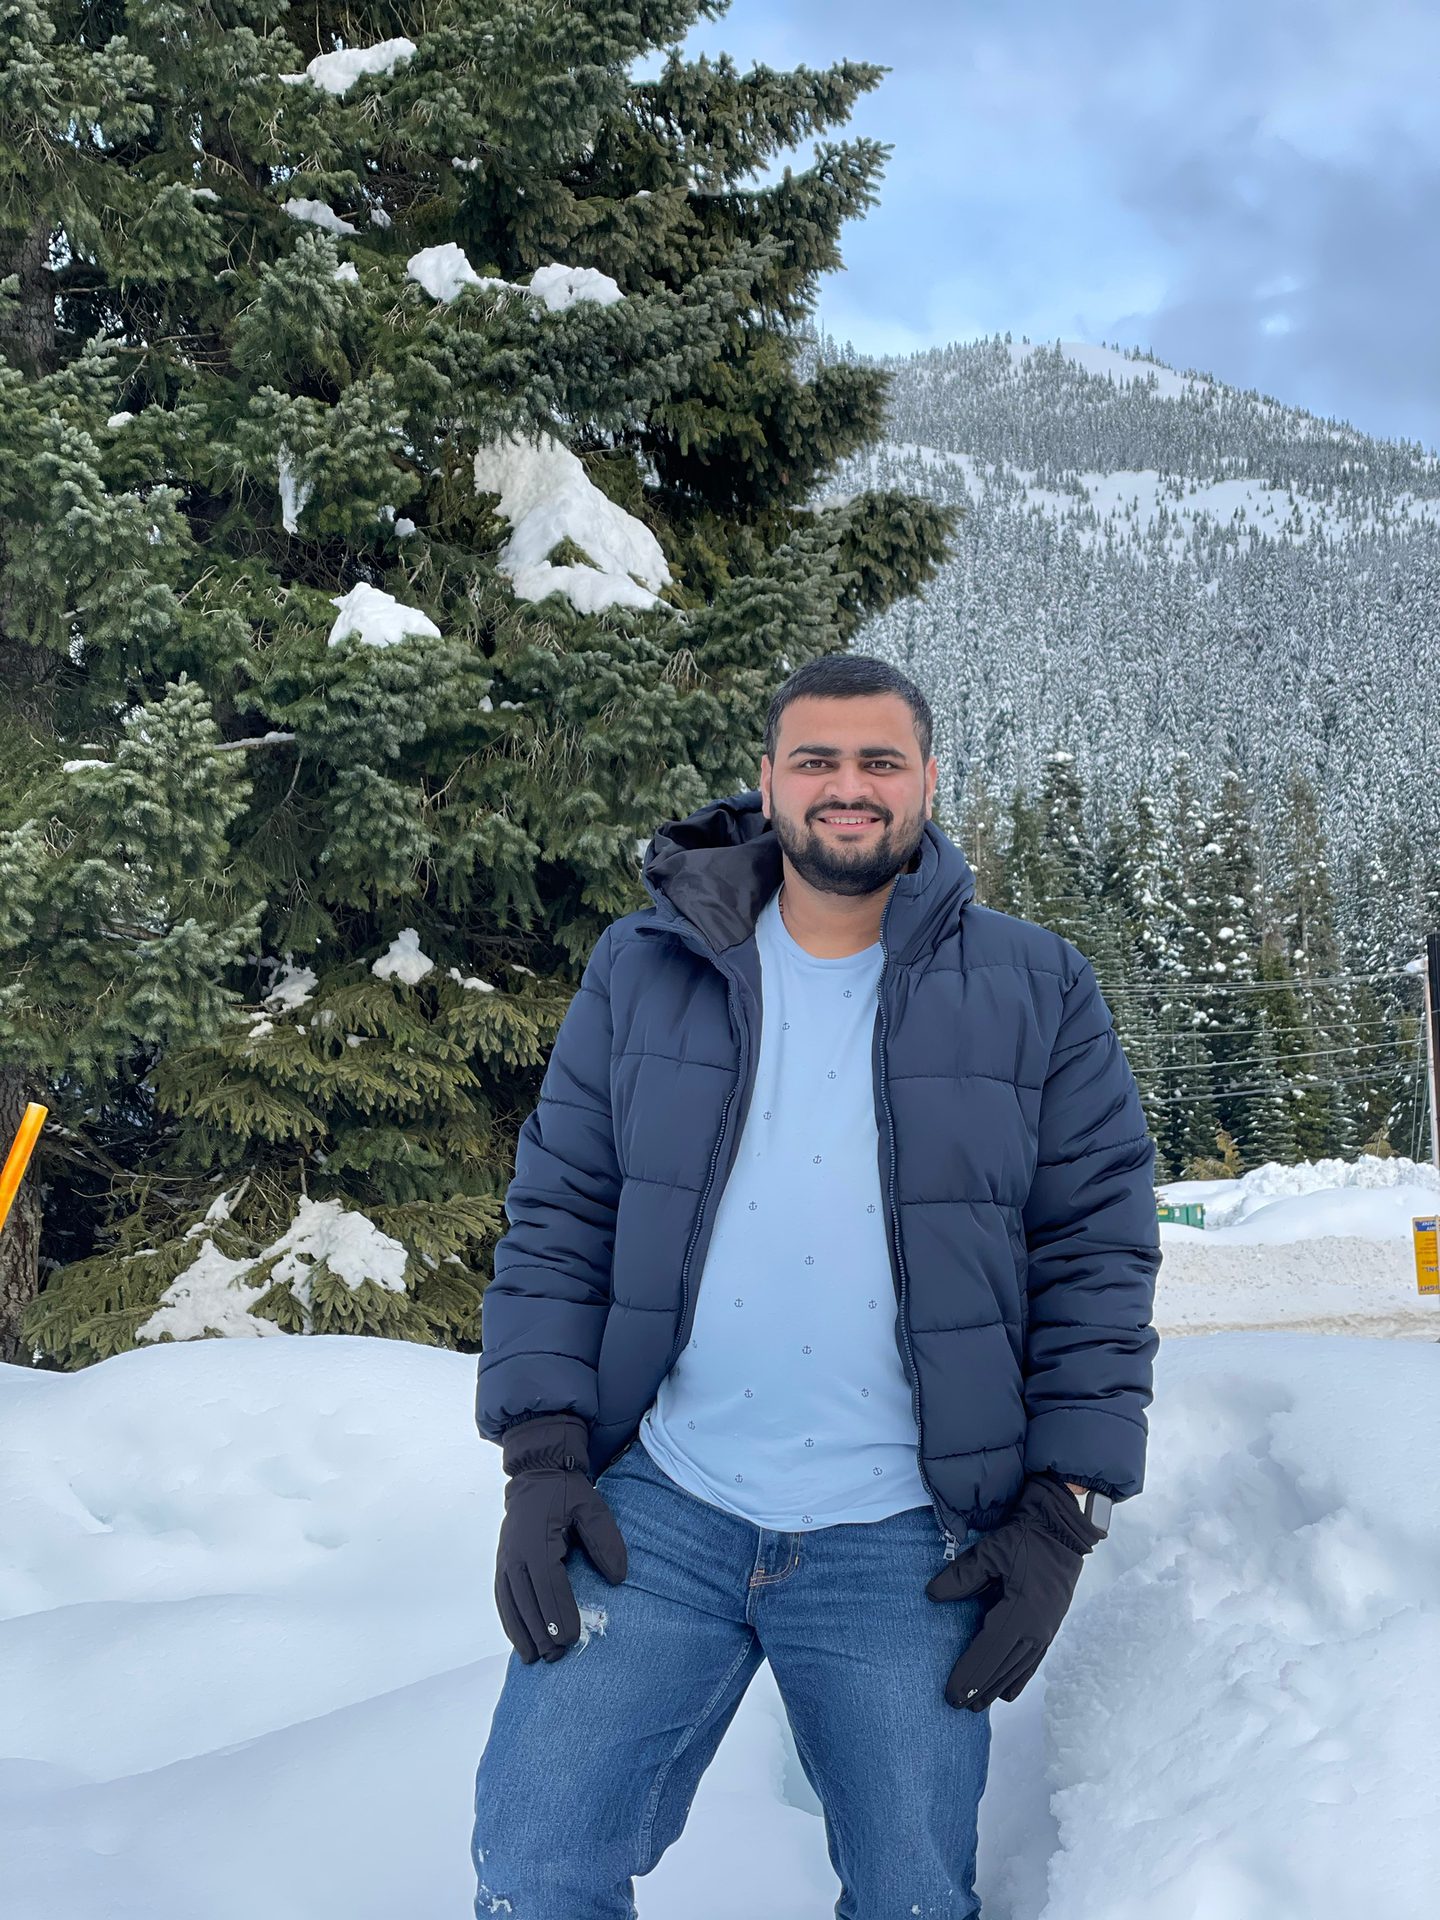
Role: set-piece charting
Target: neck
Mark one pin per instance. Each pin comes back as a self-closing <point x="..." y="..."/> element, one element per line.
<point x="830" y="925"/>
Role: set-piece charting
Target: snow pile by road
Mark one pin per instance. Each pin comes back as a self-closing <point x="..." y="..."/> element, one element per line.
<point x="1325" y="1244"/>
<point x="247" y="1591"/>
<point x="1365" y="1196"/>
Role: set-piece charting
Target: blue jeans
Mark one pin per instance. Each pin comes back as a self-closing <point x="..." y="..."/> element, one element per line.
<point x="592" y="1760"/>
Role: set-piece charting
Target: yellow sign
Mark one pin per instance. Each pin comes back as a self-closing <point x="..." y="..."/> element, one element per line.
<point x="1427" y="1270"/>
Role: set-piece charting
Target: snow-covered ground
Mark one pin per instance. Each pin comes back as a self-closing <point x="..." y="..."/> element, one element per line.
<point x="250" y="1653"/>
<point x="1126" y="504"/>
<point x="1326" y="1245"/>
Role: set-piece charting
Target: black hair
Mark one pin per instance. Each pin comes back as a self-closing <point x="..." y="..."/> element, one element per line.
<point x="842" y="676"/>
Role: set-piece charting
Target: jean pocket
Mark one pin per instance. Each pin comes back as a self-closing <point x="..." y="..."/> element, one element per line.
<point x="626" y="1461"/>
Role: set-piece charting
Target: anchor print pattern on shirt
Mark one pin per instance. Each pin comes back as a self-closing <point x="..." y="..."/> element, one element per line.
<point x="789" y="1405"/>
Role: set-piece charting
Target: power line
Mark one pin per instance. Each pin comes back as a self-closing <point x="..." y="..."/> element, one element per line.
<point x="1181" y="1034"/>
<point x="1243" y="1093"/>
<point x="1299" y="985"/>
<point x="1282" y="1061"/>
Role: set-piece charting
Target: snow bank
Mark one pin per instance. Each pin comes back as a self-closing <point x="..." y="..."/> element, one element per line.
<point x="338" y="72"/>
<point x="1329" y="1284"/>
<point x="247" y="1589"/>
<point x="215" y="1293"/>
<point x="1325" y="1244"/>
<point x="402" y="960"/>
<point x="548" y="498"/>
<point x="1362" y="1196"/>
<point x="376" y="619"/>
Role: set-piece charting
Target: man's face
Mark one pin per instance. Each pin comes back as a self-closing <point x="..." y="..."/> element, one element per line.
<point x="837" y="758"/>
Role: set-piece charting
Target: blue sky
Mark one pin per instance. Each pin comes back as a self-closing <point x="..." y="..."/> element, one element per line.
<point x="1249" y="187"/>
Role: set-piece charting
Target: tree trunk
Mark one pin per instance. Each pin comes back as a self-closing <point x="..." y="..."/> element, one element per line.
<point x="20" y="1236"/>
<point x="27" y="332"/>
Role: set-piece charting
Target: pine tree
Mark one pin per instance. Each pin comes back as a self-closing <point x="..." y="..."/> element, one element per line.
<point x="980" y="835"/>
<point x="411" y="466"/>
<point x="1227" y="942"/>
<point x="1329" y="1110"/>
<point x="1070" y="866"/>
<point x="1025" y="876"/>
<point x="1267" y="1119"/>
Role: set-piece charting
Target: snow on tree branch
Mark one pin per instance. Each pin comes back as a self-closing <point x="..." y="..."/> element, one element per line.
<point x="377" y="619"/>
<point x="549" y="499"/>
<point x="338" y="72"/>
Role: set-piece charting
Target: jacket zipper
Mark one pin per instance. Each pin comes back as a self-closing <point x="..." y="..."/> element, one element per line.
<point x="951" y="1544"/>
<point x="710" y="1177"/>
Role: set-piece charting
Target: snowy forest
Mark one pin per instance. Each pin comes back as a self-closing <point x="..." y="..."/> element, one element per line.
<point x="421" y="465"/>
<point x="1183" y="667"/>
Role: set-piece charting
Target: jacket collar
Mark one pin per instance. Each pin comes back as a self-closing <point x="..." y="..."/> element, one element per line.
<point x="717" y="868"/>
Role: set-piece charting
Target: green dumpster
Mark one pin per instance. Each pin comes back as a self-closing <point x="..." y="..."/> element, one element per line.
<point x="1188" y="1215"/>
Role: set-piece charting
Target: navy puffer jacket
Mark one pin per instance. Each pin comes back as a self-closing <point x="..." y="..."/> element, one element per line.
<point x="1013" y="1154"/>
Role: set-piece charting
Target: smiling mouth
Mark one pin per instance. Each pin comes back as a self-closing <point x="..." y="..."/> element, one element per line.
<point x="849" y="823"/>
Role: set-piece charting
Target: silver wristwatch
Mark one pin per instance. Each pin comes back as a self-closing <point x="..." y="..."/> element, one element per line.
<point x="1095" y="1507"/>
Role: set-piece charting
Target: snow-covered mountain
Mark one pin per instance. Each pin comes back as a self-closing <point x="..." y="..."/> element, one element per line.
<point x="1149" y="559"/>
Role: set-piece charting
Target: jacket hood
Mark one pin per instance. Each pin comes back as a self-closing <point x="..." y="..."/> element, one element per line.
<point x="717" y="868"/>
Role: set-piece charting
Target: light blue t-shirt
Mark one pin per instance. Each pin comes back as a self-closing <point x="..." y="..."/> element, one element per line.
<point x="789" y="1406"/>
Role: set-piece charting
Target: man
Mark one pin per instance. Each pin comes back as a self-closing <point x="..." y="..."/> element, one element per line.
<point x="838" y="1201"/>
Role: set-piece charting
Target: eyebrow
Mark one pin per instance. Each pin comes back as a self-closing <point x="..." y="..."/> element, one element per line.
<point x="865" y="753"/>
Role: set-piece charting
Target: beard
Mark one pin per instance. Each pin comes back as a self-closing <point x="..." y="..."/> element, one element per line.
<point x="831" y="866"/>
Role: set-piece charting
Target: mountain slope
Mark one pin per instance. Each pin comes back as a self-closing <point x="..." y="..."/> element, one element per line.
<point x="1151" y="560"/>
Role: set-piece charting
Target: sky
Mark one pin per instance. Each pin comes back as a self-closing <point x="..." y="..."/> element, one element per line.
<point x="1250" y="188"/>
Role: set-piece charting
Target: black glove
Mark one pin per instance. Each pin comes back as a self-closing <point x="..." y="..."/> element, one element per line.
<point x="548" y="1459"/>
<point x="1033" y="1558"/>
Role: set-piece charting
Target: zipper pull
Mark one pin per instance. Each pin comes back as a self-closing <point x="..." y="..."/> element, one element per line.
<point x="952" y="1546"/>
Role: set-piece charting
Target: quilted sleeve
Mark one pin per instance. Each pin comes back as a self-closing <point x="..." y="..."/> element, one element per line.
<point x="544" y="1310"/>
<point x="1093" y="1238"/>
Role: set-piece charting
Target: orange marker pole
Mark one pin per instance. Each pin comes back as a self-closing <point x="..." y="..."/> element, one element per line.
<point x="18" y="1158"/>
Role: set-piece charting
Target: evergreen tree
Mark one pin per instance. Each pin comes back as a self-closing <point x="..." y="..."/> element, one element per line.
<point x="1329" y="1111"/>
<point x="980" y="835"/>
<point x="1267" y="1123"/>
<point x="1070" y="866"/>
<point x="1142" y="879"/>
<point x="1025" y="872"/>
<point x="410" y="498"/>
<point x="1228" y="944"/>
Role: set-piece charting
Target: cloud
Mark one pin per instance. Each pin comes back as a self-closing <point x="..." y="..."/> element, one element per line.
<point x="1245" y="186"/>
